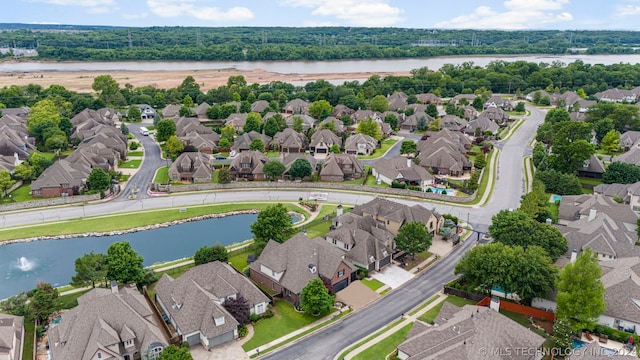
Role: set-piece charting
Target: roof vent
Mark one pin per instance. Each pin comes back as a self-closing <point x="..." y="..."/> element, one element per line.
<point x="313" y="269"/>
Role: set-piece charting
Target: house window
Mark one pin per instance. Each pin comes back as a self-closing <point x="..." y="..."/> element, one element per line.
<point x="128" y="343"/>
<point x="273" y="285"/>
<point x="99" y="355"/>
<point x="636" y="208"/>
<point x="340" y="273"/>
<point x="335" y="242"/>
<point x="175" y="176"/>
<point x="245" y="165"/>
<point x="387" y="222"/>
<point x="346" y="246"/>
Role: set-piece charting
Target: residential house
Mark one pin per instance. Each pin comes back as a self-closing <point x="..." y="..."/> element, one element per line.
<point x="385" y="129"/>
<point x="497" y="101"/>
<point x="360" y="247"/>
<point x="599" y="223"/>
<point x="470" y="112"/>
<point x="616" y="95"/>
<point x="341" y="167"/>
<point x="429" y="98"/>
<point x="107" y="324"/>
<point x="360" y="144"/>
<point x="593" y="168"/>
<point x="237" y="104"/>
<point x="15" y="142"/>
<point x="104" y="116"/>
<point x="146" y="111"/>
<point x="568" y="97"/>
<point x="196" y="135"/>
<point x="341" y="110"/>
<point x="243" y="142"/>
<point x="632" y="156"/>
<point x="403" y="170"/>
<point x="288" y="267"/>
<point x="11" y="337"/>
<point x="110" y="137"/>
<point x="259" y="106"/>
<point x="480" y="126"/>
<point x="580" y="105"/>
<point x="468" y="98"/>
<point x="393" y="215"/>
<point x="268" y="115"/>
<point x="628" y="193"/>
<point x="97" y="155"/>
<point x="248" y="165"/>
<point x="322" y="141"/>
<point x="171" y="111"/>
<point x="627" y="139"/>
<point x="333" y="124"/>
<point x="444" y="153"/>
<point x="289" y="141"/>
<point x="194" y="302"/>
<point x="9" y="163"/>
<point x="237" y="120"/>
<point x="467" y="333"/>
<point x="201" y="110"/>
<point x="411" y="122"/>
<point x="453" y="123"/>
<point x="21" y="112"/>
<point x="495" y="114"/>
<point x="191" y="167"/>
<point x="417" y="107"/>
<point x="553" y="98"/>
<point x="397" y="101"/>
<point x="360" y="115"/>
<point x="367" y="223"/>
<point x="296" y="106"/>
<point x="307" y="121"/>
<point x="289" y="158"/>
<point x="577" y="116"/>
<point x="62" y="178"/>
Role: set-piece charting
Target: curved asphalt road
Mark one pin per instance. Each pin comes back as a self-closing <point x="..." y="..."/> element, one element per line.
<point x="326" y="344"/>
<point x="152" y="161"/>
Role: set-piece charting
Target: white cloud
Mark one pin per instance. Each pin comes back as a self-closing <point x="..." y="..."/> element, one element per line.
<point x="352" y="12"/>
<point x="135" y="16"/>
<point x="92" y="6"/>
<point x="627" y="10"/>
<point x="519" y="14"/>
<point x="174" y="8"/>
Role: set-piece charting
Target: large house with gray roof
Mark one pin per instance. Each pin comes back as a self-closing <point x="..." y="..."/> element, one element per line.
<point x="403" y="170"/>
<point x="243" y="142"/>
<point x="286" y="268"/>
<point x="444" y="153"/>
<point x="393" y="215"/>
<point x="628" y="193"/>
<point x="289" y="141"/>
<point x="62" y="178"/>
<point x="194" y="302"/>
<point x="248" y="165"/>
<point x="341" y="167"/>
<point x="11" y="337"/>
<point x="191" y="167"/>
<point x="468" y="334"/>
<point x="107" y="324"/>
<point x="360" y="144"/>
<point x="322" y="141"/>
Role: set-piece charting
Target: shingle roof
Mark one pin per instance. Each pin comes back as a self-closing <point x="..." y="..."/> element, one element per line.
<point x="243" y="142"/>
<point x="97" y="322"/>
<point x="352" y="142"/>
<point x="289" y="138"/>
<point x="468" y="333"/>
<point x="401" y="168"/>
<point x="213" y="282"/>
<point x="61" y="173"/>
<point x="325" y="136"/>
<point x="334" y="165"/>
<point x="630" y="157"/>
<point x="394" y="211"/>
<point x="11" y="328"/>
<point x="621" y="280"/>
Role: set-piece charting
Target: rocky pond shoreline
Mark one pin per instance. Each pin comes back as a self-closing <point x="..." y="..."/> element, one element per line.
<point x="140" y="228"/>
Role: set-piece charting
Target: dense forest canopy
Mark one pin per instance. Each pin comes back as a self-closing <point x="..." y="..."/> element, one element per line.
<point x="70" y="42"/>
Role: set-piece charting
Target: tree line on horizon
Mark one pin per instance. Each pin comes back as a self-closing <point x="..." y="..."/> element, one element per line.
<point x="100" y="43"/>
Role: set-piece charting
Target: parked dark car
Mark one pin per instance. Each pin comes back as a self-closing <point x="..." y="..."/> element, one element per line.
<point x="221" y="157"/>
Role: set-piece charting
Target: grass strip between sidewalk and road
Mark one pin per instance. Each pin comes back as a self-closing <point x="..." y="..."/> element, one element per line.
<point x="385" y="346"/>
<point x="425" y="304"/>
<point x="484" y="180"/>
<point x="371" y="337"/>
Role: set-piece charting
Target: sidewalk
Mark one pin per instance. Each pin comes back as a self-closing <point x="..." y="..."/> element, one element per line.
<point x="407" y="319"/>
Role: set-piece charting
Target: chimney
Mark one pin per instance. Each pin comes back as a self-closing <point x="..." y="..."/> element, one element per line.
<point x="495" y="303"/>
<point x="114" y="287"/>
<point x="592" y="214"/>
<point x="339" y="210"/>
<point x="408" y="162"/>
<point x="574" y="255"/>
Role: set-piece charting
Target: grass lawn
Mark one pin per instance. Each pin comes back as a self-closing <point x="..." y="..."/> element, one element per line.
<point x="371" y="181"/>
<point x="484" y="181"/>
<point x="162" y="175"/>
<point x="214" y="177"/>
<point x="385" y="346"/>
<point x="126" y="221"/>
<point x="23" y="193"/>
<point x="553" y="209"/>
<point x="373" y="284"/>
<point x="430" y="315"/>
<point x="354" y="182"/>
<point x="273" y="154"/>
<point x="28" y="345"/>
<point x="135" y="153"/>
<point x="386" y="145"/>
<point x="434" y="298"/>
<point x="319" y="226"/>
<point x="523" y="320"/>
<point x="69" y="301"/>
<point x="285" y="320"/>
<point x="131" y="164"/>
<point x="590" y="181"/>
<point x="238" y="258"/>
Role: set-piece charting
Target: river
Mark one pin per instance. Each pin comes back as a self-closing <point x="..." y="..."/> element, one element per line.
<point x="23" y="265"/>
<point x="306" y="67"/>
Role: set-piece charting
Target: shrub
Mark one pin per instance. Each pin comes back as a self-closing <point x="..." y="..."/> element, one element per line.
<point x="268" y="314"/>
<point x="398" y="185"/>
<point x="429" y="190"/>
<point x="133" y="145"/>
<point x="185" y="344"/>
<point x="254" y="317"/>
<point x="246" y="271"/>
<point x="242" y="330"/>
<point x="415" y="188"/>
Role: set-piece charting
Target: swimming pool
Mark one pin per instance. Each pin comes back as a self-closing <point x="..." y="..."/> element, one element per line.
<point x="578" y="344"/>
<point x="555" y="198"/>
<point x="438" y="190"/>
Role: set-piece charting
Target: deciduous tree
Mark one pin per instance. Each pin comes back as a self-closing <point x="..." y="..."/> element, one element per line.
<point x="98" y="179"/>
<point x="238" y="308"/>
<point x="207" y="254"/>
<point x="271" y="126"/>
<point x="173" y="352"/>
<point x="173" y="146"/>
<point x="257" y="144"/>
<point x="580" y="296"/>
<point x="224" y="176"/>
<point x="42" y="302"/>
<point x="408" y="147"/>
<point x="300" y="169"/>
<point x="621" y="173"/>
<point x="165" y="129"/>
<point x="134" y="114"/>
<point x="106" y="87"/>
<point x="43" y="111"/>
<point x="379" y="103"/>
<point x="253" y="122"/>
<point x="611" y="142"/>
<point x="273" y="223"/>
<point x="370" y="127"/>
<point x="413" y="237"/>
<point x="315" y="298"/>
<point x="124" y="264"/>
<point x="90" y="268"/>
<point x="274" y="169"/>
<point x="320" y="109"/>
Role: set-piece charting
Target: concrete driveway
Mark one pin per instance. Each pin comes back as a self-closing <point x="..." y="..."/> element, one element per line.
<point x="357" y="295"/>
<point x="393" y="276"/>
<point x="231" y="350"/>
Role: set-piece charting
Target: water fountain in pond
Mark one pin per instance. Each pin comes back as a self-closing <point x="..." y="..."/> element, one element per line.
<point x="25" y="264"/>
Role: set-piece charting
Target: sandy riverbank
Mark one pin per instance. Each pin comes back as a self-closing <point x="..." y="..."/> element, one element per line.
<point x="81" y="81"/>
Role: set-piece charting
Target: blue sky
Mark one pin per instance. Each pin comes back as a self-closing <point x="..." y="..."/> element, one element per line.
<point x="456" y="14"/>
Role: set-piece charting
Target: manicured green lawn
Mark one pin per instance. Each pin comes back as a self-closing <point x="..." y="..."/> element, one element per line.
<point x="126" y="221"/>
<point x="354" y="182"/>
<point x="214" y="177"/>
<point x="162" y="175"/>
<point x="135" y="153"/>
<point x="69" y="301"/>
<point x="273" y="154"/>
<point x="238" y="258"/>
<point x="28" y="345"/>
<point x="430" y="315"/>
<point x="285" y="320"/>
<point x="523" y="320"/>
<point x="484" y="181"/>
<point x="318" y="229"/>
<point x="319" y="226"/>
<point x="386" y="145"/>
<point x="434" y="298"/>
<point x="385" y="346"/>
<point x="131" y="164"/>
<point x="23" y="193"/>
<point x="372" y="284"/>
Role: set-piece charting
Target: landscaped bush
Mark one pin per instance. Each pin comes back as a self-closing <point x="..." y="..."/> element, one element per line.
<point x="254" y="317"/>
<point x="615" y="335"/>
<point x="242" y="330"/>
<point x="416" y="188"/>
<point x="398" y="185"/>
<point x="268" y="314"/>
<point x="362" y="273"/>
<point x="134" y="145"/>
